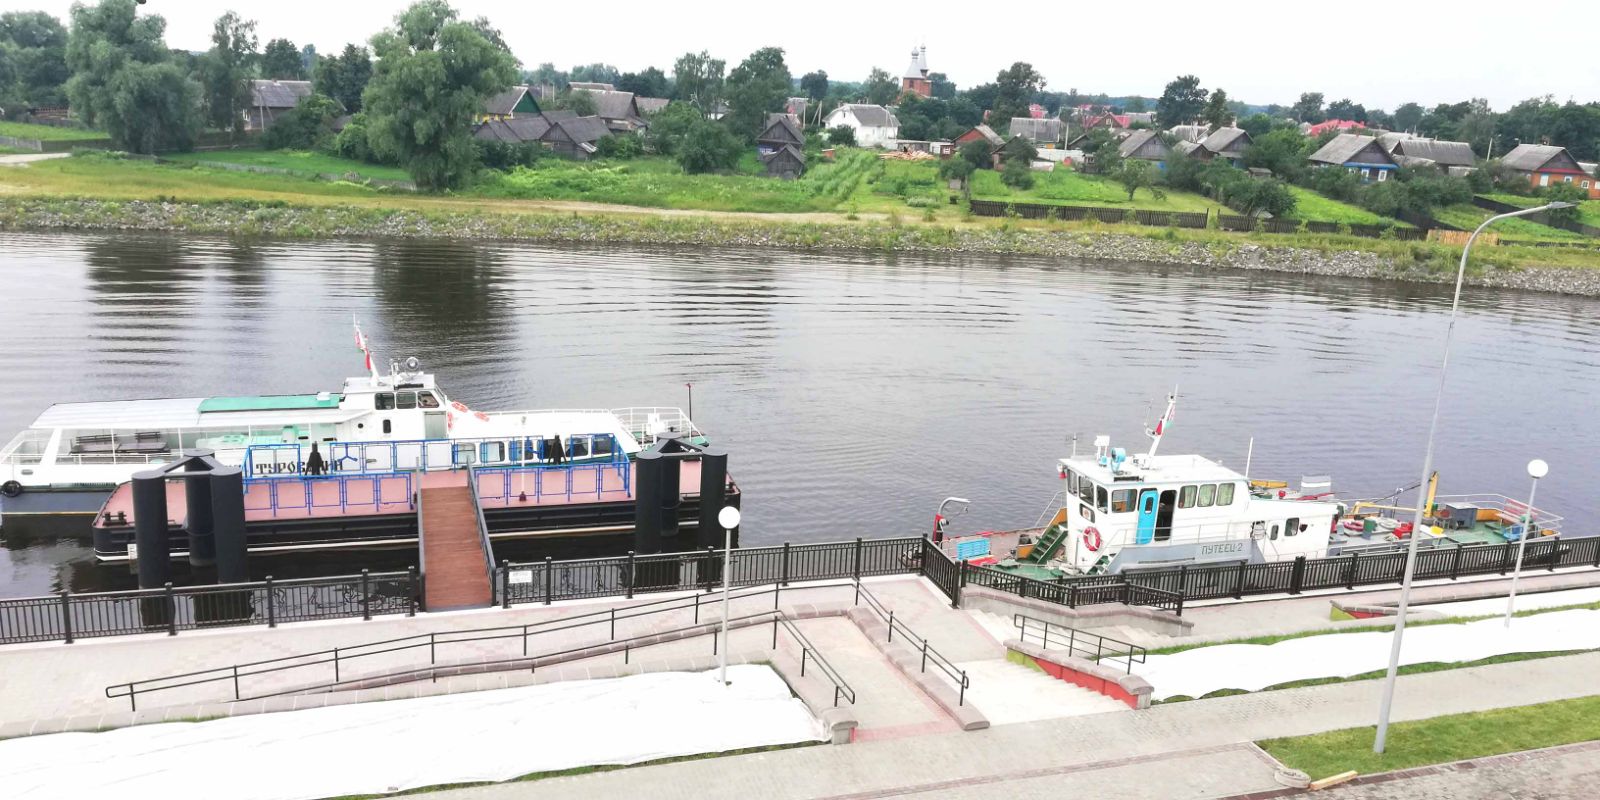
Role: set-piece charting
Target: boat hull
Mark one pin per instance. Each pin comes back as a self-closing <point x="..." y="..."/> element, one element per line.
<point x="55" y="502"/>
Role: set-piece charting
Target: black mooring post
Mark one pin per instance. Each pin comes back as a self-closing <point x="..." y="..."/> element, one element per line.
<point x="648" y="467"/>
<point x="671" y="501"/>
<point x="150" y="528"/>
<point x="197" y="501"/>
<point x="713" y="495"/>
<point x="227" y="524"/>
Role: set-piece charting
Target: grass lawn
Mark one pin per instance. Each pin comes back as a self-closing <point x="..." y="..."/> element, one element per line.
<point x="1309" y="205"/>
<point x="1442" y="739"/>
<point x="1066" y="187"/>
<point x="1588" y="210"/>
<point x="1467" y="217"/>
<point x="299" y="161"/>
<point x="24" y="130"/>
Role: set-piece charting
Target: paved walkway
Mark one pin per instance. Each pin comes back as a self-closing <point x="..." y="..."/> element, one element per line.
<point x="1023" y="757"/>
<point x="24" y="159"/>
<point x="1570" y="772"/>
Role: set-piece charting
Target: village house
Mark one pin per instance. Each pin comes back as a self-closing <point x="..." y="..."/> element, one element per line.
<point x="1362" y="155"/>
<point x="270" y="99"/>
<point x="562" y="132"/>
<point x="980" y="133"/>
<point x="1145" y="145"/>
<point x="1546" y="164"/>
<point x="650" y="105"/>
<point x="1227" y="144"/>
<point x="591" y="86"/>
<point x="787" y="162"/>
<point x="510" y="104"/>
<point x="782" y="130"/>
<point x="1455" y="158"/>
<point x="874" y="126"/>
<point x="1045" y="134"/>
<point x="620" y="110"/>
<point x="915" y="80"/>
<point x="1340" y="125"/>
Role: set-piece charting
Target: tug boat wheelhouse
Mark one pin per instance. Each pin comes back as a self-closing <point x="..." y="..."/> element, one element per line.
<point x="75" y="454"/>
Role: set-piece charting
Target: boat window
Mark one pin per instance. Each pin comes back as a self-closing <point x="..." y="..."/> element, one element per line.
<point x="1274" y="535"/>
<point x="1072" y="483"/>
<point x="384" y="401"/>
<point x="1224" y="494"/>
<point x="1122" y="501"/>
<point x="578" y="447"/>
<point x="1292" y="527"/>
<point x="461" y="453"/>
<point x="491" y="452"/>
<point x="1101" y="497"/>
<point x="405" y="400"/>
<point x="1086" y="490"/>
<point x="388" y="427"/>
<point x="1208" y="493"/>
<point x="1186" y="497"/>
<point x="603" y="445"/>
<point x="427" y="400"/>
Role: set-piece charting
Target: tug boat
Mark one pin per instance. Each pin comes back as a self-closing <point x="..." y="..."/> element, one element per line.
<point x="1117" y="512"/>
<point x="74" y="454"/>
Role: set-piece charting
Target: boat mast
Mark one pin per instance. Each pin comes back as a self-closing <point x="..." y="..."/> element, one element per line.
<point x="1160" y="429"/>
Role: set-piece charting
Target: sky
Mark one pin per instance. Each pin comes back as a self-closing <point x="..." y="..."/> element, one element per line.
<point x="1260" y="51"/>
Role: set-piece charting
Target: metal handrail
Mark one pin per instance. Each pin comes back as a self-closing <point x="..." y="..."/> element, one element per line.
<point x="341" y="655"/>
<point x="307" y="482"/>
<point x="1074" y="636"/>
<point x="944" y="664"/>
<point x="483" y="527"/>
<point x="806" y="647"/>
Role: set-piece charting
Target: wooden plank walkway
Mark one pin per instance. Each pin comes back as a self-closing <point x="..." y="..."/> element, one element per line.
<point x="455" y="572"/>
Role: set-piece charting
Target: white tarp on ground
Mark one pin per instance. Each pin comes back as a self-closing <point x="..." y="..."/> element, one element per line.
<point x="1525" y="602"/>
<point x="403" y="744"/>
<point x="1253" y="667"/>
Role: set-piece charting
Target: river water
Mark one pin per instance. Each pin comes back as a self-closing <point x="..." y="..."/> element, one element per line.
<point x="854" y="391"/>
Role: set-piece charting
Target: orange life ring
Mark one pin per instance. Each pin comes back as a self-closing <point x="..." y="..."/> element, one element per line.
<point x="1091" y="539"/>
<point x="482" y="417"/>
<point x="459" y="406"/>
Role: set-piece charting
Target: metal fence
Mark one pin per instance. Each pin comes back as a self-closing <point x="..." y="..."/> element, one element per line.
<point x="66" y="617"/>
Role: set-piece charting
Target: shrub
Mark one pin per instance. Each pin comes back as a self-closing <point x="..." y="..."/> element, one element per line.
<point x="1017" y="175"/>
<point x="307" y="126"/>
<point x="842" y="136"/>
<point x="625" y="146"/>
<point x="708" y="147"/>
<point x="922" y="201"/>
<point x="352" y="141"/>
<point x="505" y="156"/>
<point x="1339" y="184"/>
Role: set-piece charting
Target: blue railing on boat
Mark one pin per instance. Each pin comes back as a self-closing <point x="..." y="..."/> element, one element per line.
<point x="306" y="494"/>
<point x="409" y="455"/>
<point x="535" y="483"/>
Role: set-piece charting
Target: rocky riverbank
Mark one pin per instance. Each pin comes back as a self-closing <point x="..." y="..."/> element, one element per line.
<point x="1384" y="260"/>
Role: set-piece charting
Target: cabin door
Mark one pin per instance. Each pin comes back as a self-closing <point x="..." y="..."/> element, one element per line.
<point x="1147" y="516"/>
<point x="1169" y="502"/>
<point x="433" y="425"/>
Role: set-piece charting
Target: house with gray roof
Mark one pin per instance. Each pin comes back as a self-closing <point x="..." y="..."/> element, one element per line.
<point x="561" y="132"/>
<point x="1362" y="155"/>
<point x="620" y="110"/>
<point x="576" y="137"/>
<point x="1045" y="134"/>
<point x="270" y="99"/>
<point x="511" y="103"/>
<point x="980" y="133"/>
<point x="592" y="86"/>
<point x="650" y="105"/>
<point x="1227" y="144"/>
<point x="874" y="125"/>
<point x="1453" y="157"/>
<point x="1145" y="145"/>
<point x="787" y="162"/>
<point x="1544" y="164"/>
<point x="780" y="131"/>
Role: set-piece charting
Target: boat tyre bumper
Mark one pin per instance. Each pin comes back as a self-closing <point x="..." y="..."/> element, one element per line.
<point x="10" y="488"/>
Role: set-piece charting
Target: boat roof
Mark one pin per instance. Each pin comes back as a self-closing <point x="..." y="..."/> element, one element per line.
<point x="192" y="412"/>
<point x="1157" y="469"/>
<point x="280" y="402"/>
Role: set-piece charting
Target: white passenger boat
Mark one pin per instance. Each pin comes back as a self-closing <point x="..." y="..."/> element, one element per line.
<point x="74" y="454"/>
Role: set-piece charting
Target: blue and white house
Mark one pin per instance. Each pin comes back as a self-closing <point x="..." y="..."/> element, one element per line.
<point x="1362" y="155"/>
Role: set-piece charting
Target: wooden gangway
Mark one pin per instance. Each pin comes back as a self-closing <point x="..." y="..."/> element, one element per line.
<point x="455" y="567"/>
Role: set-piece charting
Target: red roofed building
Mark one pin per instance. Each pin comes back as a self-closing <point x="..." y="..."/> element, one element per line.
<point x="1335" y="125"/>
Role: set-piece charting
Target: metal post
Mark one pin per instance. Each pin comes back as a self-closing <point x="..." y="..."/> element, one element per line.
<point x="783" y="580"/>
<point x="172" y="611"/>
<point x="272" y="610"/>
<point x="631" y="575"/>
<point x="411" y="590"/>
<point x="727" y="584"/>
<point x="366" y="596"/>
<point x="1455" y="564"/>
<point x="891" y="624"/>
<point x="66" y="615"/>
<point x="961" y="580"/>
<point x="1555" y="553"/>
<point x="1422" y="486"/>
<point x="549" y="579"/>
<point x="858" y="558"/>
<point x="505" y="583"/>
<point x="1297" y="574"/>
<point x="1350" y="572"/>
<point x="1522" y="545"/>
<point x="1238" y="583"/>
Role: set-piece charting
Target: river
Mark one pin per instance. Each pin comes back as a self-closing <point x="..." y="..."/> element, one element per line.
<point x="854" y="391"/>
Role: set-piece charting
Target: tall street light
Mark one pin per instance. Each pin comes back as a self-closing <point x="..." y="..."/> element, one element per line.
<point x="728" y="518"/>
<point x="1536" y="469"/>
<point x="1427" y="470"/>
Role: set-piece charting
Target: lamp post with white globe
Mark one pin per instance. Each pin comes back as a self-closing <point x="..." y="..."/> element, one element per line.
<point x="1536" y="469"/>
<point x="728" y="518"/>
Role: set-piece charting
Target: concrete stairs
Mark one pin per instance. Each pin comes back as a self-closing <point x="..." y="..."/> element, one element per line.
<point x="1009" y="692"/>
<point x="998" y="626"/>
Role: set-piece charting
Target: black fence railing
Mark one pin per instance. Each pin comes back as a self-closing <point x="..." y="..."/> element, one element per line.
<point x="1082" y="644"/>
<point x="550" y="580"/>
<point x="66" y="617"/>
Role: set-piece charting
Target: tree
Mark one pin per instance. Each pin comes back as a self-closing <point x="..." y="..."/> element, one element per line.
<point x="963" y="113"/>
<point x="307" y="126"/>
<point x="1477" y="128"/>
<point x="344" y="77"/>
<point x="1407" y="116"/>
<point x="1102" y="150"/>
<point x="280" y="61"/>
<point x="815" y="84"/>
<point x="699" y="80"/>
<point x="123" y="81"/>
<point x="880" y="88"/>
<point x="1257" y="125"/>
<point x="1135" y="174"/>
<point x="842" y="136"/>
<point x="1282" y="151"/>
<point x="432" y="76"/>
<point x="1182" y="102"/>
<point x="578" y="101"/>
<point x="1217" y="114"/>
<point x="757" y="87"/>
<point x="225" y="72"/>
<point x="709" y="147"/>
<point x="670" y="125"/>
<point x="595" y="73"/>
<point x="1308" y="108"/>
<point x="652" y="82"/>
<point x="1564" y="193"/>
<point x="308" y="60"/>
<point x="33" y="45"/>
<point x="943" y="87"/>
<point x="1347" y="109"/>
<point x="1250" y="197"/>
<point x="1017" y="174"/>
<point x="1015" y="87"/>
<point x="548" y="74"/>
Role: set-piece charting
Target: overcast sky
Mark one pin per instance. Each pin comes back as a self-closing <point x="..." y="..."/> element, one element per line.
<point x="1260" y="51"/>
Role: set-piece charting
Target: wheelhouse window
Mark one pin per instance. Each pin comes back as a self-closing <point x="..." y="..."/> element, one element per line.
<point x="427" y="400"/>
<point x="1100" y="498"/>
<point x="1292" y="527"/>
<point x="1224" y="494"/>
<point x="1072" y="483"/>
<point x="1208" y="495"/>
<point x="1186" y="497"/>
<point x="1122" y="501"/>
<point x="1274" y="535"/>
<point x="405" y="400"/>
<point x="384" y="401"/>
<point x="1086" y="490"/>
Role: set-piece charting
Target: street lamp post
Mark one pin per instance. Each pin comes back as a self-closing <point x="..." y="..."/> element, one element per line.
<point x="1536" y="469"/>
<point x="728" y="518"/>
<point x="1427" y="470"/>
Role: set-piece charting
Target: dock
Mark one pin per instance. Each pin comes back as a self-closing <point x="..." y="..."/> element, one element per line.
<point x="455" y="564"/>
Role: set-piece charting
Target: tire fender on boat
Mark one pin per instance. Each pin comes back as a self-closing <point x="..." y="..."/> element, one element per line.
<point x="10" y="488"/>
<point x="1091" y="538"/>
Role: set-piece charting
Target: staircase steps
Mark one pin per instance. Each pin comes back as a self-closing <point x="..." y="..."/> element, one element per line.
<point x="1010" y="692"/>
<point x="1048" y="542"/>
<point x="456" y="572"/>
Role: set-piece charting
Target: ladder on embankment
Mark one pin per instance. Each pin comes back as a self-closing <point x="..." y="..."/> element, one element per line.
<point x="451" y="544"/>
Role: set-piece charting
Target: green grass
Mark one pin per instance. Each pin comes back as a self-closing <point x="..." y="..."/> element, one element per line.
<point x="298" y="161"/>
<point x="1065" y="187"/>
<point x="24" y="130"/>
<point x="1468" y="217"/>
<point x="1309" y="205"/>
<point x="1588" y="211"/>
<point x="1442" y="739"/>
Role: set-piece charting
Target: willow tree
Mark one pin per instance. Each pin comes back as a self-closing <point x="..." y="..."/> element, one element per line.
<point x="432" y="76"/>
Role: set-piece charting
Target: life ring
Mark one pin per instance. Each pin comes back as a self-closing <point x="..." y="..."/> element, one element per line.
<point x="10" y="488"/>
<point x="449" y="421"/>
<point x="1091" y="539"/>
<point x="459" y="406"/>
<point x="482" y="417"/>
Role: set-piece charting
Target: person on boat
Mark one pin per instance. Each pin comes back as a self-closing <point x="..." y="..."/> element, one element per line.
<point x="314" y="463"/>
<point x="555" y="451"/>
